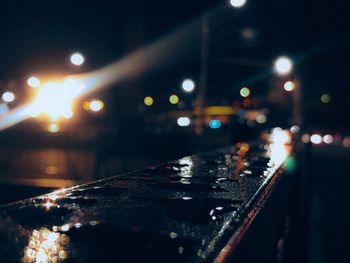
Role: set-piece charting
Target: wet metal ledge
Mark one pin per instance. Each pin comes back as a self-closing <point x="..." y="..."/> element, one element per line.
<point x="200" y="208"/>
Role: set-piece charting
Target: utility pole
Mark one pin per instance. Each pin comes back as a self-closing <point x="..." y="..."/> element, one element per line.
<point x="200" y="101"/>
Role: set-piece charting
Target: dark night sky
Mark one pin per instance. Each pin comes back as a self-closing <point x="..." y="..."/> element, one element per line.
<point x="38" y="36"/>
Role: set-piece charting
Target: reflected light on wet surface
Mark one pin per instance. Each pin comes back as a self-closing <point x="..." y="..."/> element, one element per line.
<point x="46" y="246"/>
<point x="186" y="168"/>
<point x="279" y="148"/>
<point x="243" y="148"/>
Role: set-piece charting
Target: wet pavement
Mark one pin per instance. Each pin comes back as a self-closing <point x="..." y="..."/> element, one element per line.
<point x="181" y="211"/>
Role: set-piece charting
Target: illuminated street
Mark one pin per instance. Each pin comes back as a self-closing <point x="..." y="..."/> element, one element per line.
<point x="184" y="131"/>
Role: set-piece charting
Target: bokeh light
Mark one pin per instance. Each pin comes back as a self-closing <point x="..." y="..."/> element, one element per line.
<point x="261" y="118"/>
<point x="77" y="59"/>
<point x="86" y="105"/>
<point x="8" y="96"/>
<point x="3" y="108"/>
<point x="283" y="65"/>
<point x="96" y="105"/>
<point x="215" y="124"/>
<point x="346" y="142"/>
<point x="46" y="246"/>
<point x="174" y="99"/>
<point x="188" y="85"/>
<point x="183" y="121"/>
<point x="328" y="139"/>
<point x="53" y="128"/>
<point x="237" y="3"/>
<point x="67" y="114"/>
<point x="33" y="82"/>
<point x="316" y="139"/>
<point x="295" y="129"/>
<point x="289" y="86"/>
<point x="305" y="138"/>
<point x="148" y="101"/>
<point x="244" y="92"/>
<point x="325" y="98"/>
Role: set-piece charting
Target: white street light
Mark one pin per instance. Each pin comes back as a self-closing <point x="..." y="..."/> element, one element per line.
<point x="188" y="85"/>
<point x="283" y="65"/>
<point x="33" y="82"/>
<point x="237" y="3"/>
<point x="183" y="121"/>
<point x="8" y="96"/>
<point x="77" y="59"/>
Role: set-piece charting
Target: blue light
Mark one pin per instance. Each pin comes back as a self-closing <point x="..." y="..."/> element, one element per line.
<point x="215" y="124"/>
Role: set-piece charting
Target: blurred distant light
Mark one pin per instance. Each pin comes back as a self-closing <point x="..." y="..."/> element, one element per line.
<point x="8" y="96"/>
<point x="328" y="139"/>
<point x="295" y="129"/>
<point x="325" y="98"/>
<point x="181" y="104"/>
<point x="244" y="92"/>
<point x="237" y="3"/>
<point x="33" y="82"/>
<point x="215" y="124"/>
<point x="261" y="118"/>
<point x="77" y="59"/>
<point x="53" y="127"/>
<point x="280" y="136"/>
<point x="3" y="108"/>
<point x="289" y="86"/>
<point x="283" y="65"/>
<point x="148" y="101"/>
<point x="346" y="142"/>
<point x="96" y="105"/>
<point x="56" y="98"/>
<point x="67" y="114"/>
<point x="251" y="123"/>
<point x="316" y="139"/>
<point x="305" y="138"/>
<point x="86" y="105"/>
<point x="174" y="99"/>
<point x="183" y="121"/>
<point x="188" y="85"/>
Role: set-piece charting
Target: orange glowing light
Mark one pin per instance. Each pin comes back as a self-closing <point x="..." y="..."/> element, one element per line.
<point x="86" y="105"/>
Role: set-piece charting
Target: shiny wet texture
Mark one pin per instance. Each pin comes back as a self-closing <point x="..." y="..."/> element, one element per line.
<point x="174" y="212"/>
